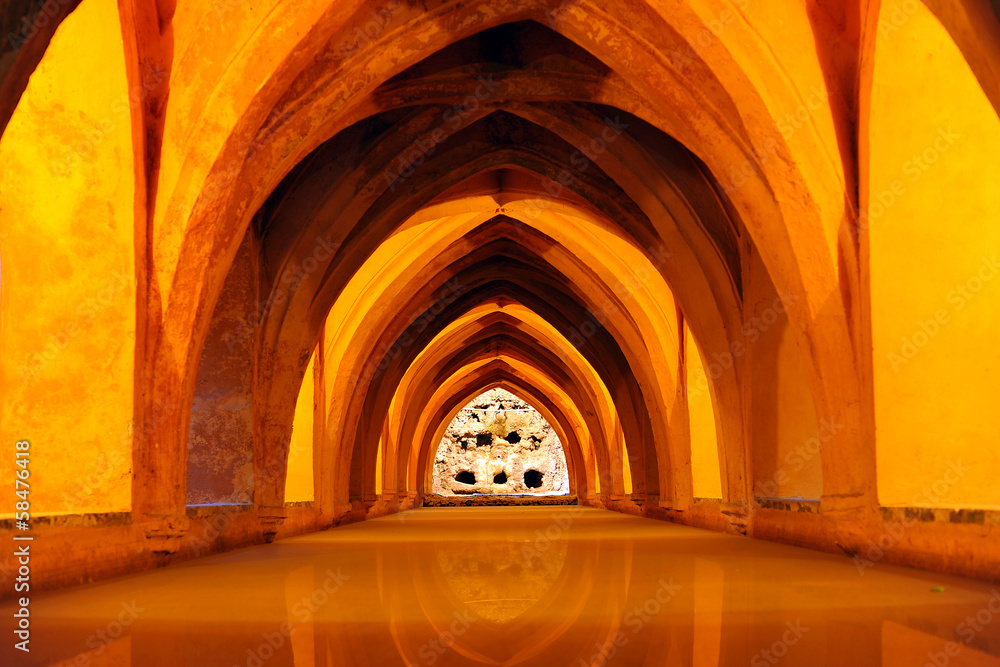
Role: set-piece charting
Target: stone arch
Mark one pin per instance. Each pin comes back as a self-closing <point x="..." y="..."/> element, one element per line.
<point x="791" y="251"/>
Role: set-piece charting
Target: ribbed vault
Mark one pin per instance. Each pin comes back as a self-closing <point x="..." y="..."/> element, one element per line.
<point x="282" y="242"/>
<point x="505" y="210"/>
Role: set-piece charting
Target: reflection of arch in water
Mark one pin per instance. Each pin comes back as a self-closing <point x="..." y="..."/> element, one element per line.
<point x="500" y="581"/>
<point x="588" y="590"/>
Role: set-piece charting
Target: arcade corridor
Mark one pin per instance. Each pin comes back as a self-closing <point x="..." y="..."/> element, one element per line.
<point x="283" y="283"/>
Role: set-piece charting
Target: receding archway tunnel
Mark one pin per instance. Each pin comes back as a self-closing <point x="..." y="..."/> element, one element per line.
<point x="355" y="257"/>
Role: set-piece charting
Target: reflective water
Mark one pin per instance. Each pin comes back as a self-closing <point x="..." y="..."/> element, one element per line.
<point x="548" y="586"/>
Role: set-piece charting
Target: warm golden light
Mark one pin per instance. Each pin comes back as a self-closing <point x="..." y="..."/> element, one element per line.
<point x="740" y="258"/>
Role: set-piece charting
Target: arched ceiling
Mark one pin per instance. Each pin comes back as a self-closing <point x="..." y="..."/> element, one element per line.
<point x="558" y="197"/>
<point x="499" y="210"/>
<point x="27" y="27"/>
<point x="609" y="169"/>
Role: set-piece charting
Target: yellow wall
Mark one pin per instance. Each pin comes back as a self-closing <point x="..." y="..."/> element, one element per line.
<point x="67" y="300"/>
<point x="626" y="473"/>
<point x="934" y="221"/>
<point x="786" y="439"/>
<point x="299" y="485"/>
<point x="706" y="476"/>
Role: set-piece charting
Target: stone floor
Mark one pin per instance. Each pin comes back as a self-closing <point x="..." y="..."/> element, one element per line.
<point x="550" y="586"/>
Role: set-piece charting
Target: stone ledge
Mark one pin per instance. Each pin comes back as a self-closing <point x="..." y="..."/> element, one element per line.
<point x="85" y="520"/>
<point x="301" y="503"/>
<point x="789" y="505"/>
<point x="983" y="517"/>
<point x="490" y="501"/>
<point x="196" y="511"/>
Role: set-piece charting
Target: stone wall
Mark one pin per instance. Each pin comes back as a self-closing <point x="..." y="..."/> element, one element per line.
<point x="498" y="444"/>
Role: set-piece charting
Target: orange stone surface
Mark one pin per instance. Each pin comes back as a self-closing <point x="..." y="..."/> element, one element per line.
<point x="522" y="586"/>
<point x="742" y="256"/>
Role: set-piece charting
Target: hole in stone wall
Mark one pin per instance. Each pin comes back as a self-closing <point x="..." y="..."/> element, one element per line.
<point x="533" y="479"/>
<point x="498" y="432"/>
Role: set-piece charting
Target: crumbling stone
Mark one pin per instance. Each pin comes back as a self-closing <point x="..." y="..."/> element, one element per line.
<point x="498" y="444"/>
